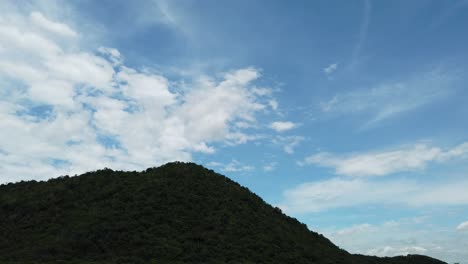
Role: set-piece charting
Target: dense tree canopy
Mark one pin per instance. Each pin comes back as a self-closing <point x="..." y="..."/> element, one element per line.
<point x="177" y="213"/>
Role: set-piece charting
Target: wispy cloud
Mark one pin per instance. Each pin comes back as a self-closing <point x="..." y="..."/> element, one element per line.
<point x="288" y="143"/>
<point x="54" y="27"/>
<point x="412" y="235"/>
<point x="397" y="251"/>
<point x="168" y="16"/>
<point x="270" y="166"/>
<point x="463" y="226"/>
<point x="389" y="99"/>
<point x="330" y="68"/>
<point x="171" y="15"/>
<point x="362" y="36"/>
<point x="343" y="193"/>
<point x="386" y="162"/>
<point x="233" y="166"/>
<point x="281" y="126"/>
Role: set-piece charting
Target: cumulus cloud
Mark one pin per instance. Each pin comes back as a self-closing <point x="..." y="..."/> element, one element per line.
<point x="281" y="126"/>
<point x="67" y="110"/>
<point x="386" y="162"/>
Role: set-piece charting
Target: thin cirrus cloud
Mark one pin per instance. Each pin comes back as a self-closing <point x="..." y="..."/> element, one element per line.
<point x="389" y="99"/>
<point x="386" y="162"/>
<point x="68" y="110"/>
<point x="362" y="35"/>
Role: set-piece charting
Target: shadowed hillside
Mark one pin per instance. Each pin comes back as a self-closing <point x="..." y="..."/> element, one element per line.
<point x="177" y="213"/>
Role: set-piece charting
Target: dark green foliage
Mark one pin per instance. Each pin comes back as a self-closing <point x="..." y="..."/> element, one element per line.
<point x="177" y="213"/>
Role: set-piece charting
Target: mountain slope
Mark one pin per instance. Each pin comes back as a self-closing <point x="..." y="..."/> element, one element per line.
<point x="177" y="213"/>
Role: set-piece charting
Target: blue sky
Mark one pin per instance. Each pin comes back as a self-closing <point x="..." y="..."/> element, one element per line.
<point x="349" y="115"/>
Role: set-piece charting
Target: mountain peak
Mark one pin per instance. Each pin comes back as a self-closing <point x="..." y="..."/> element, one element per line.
<point x="176" y="213"/>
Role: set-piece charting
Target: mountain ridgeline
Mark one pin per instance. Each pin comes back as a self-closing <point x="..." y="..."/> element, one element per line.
<point x="177" y="213"/>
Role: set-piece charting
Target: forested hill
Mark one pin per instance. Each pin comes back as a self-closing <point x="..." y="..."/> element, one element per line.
<point x="177" y="213"/>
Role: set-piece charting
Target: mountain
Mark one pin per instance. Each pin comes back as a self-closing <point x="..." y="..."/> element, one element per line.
<point x="177" y="213"/>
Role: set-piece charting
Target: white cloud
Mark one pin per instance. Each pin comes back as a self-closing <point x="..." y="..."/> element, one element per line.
<point x="214" y="164"/>
<point x="113" y="54"/>
<point x="400" y="237"/>
<point x="55" y="27"/>
<point x="386" y="162"/>
<point x="330" y="68"/>
<point x="388" y="99"/>
<point x="236" y="138"/>
<point x="270" y="166"/>
<point x="281" y="126"/>
<point x="87" y="110"/>
<point x="289" y="143"/>
<point x="262" y="91"/>
<point x="233" y="166"/>
<point x="340" y="193"/>
<point x="354" y="229"/>
<point x="273" y="104"/>
<point x="463" y="226"/>
<point x="81" y="68"/>
<point x="30" y="43"/>
<point x="396" y="251"/>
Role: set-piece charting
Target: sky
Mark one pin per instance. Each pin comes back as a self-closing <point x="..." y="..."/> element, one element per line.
<point x="349" y="115"/>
